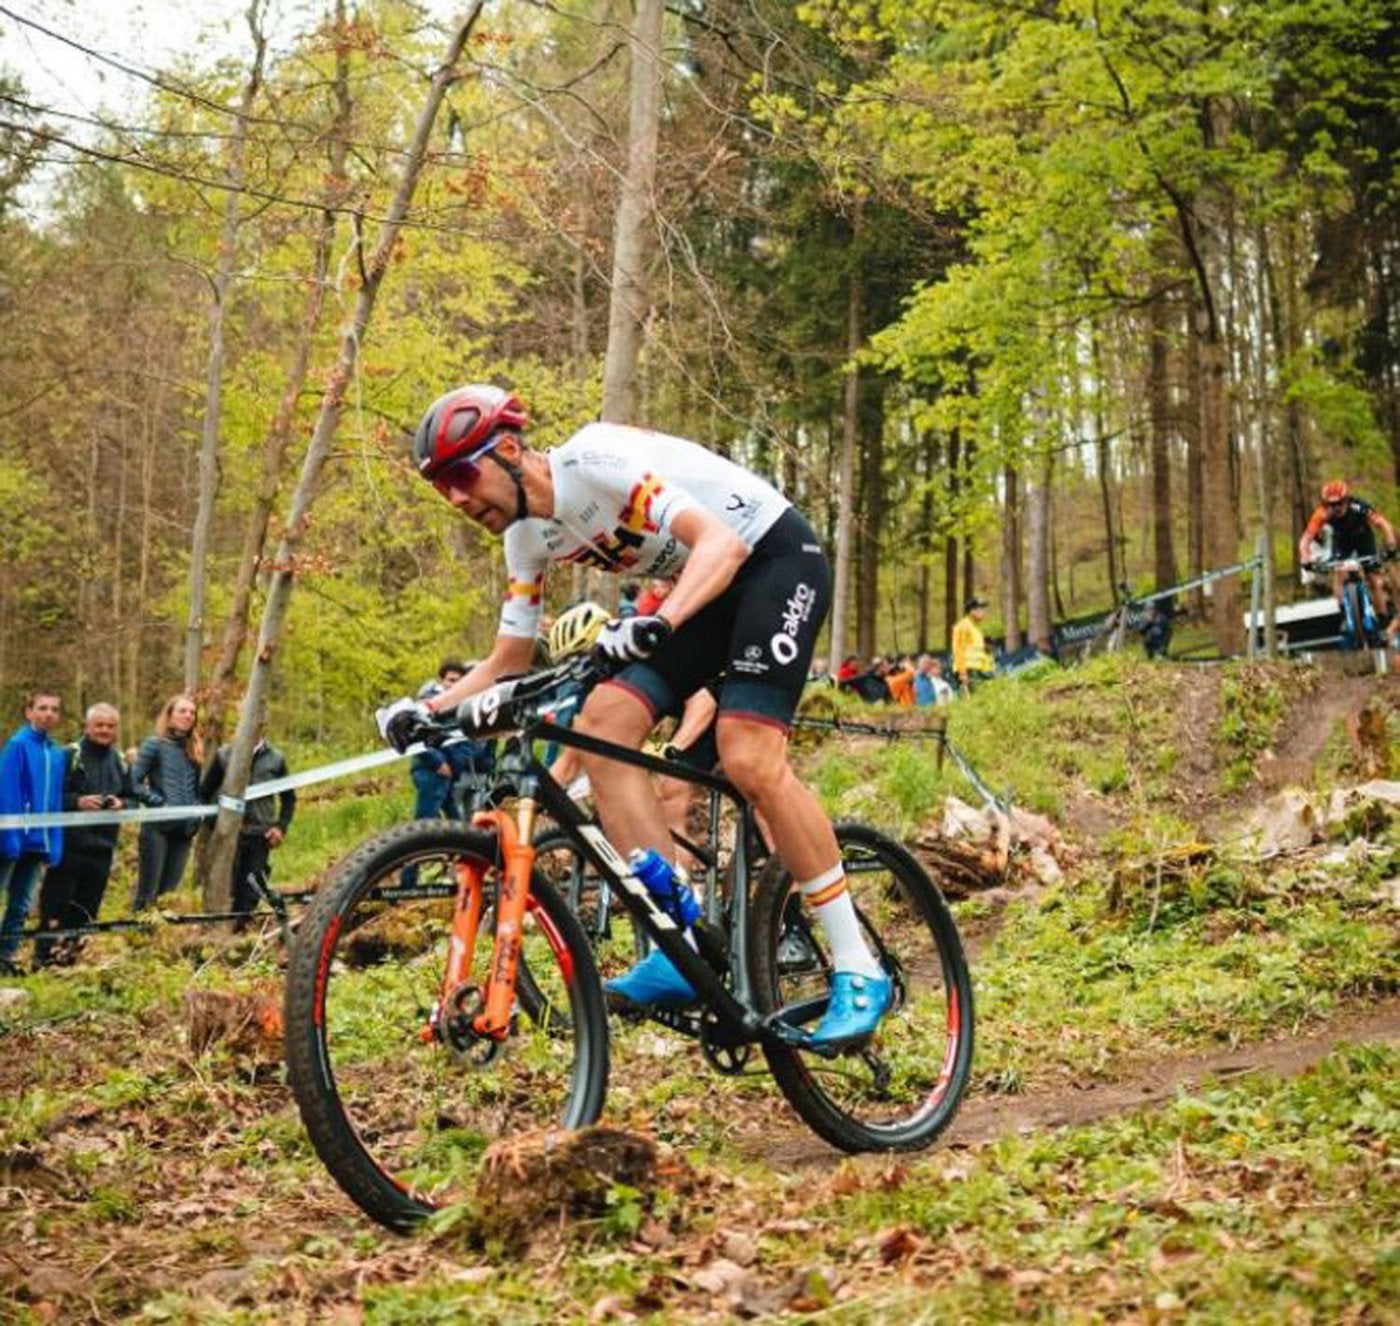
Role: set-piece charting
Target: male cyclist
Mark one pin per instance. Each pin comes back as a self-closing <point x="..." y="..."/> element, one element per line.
<point x="1352" y="524"/>
<point x="752" y="588"/>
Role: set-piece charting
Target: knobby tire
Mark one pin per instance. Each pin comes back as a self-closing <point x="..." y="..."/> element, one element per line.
<point x="401" y="1122"/>
<point x="903" y="1090"/>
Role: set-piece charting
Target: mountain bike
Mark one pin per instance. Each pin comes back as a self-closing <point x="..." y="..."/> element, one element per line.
<point x="424" y="1023"/>
<point x="1361" y="624"/>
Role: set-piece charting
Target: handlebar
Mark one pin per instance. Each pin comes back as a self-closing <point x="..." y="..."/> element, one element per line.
<point x="515" y="702"/>
<point x="1369" y="560"/>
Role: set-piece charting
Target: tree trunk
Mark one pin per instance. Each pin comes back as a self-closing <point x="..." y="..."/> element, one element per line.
<point x="951" y="609"/>
<point x="845" y="492"/>
<point x="1160" y="424"/>
<point x="1011" y="561"/>
<point x="1264" y="419"/>
<point x="1038" y="619"/>
<point x="627" y="309"/>
<point x="1195" y="471"/>
<point x="279" y="434"/>
<point x="930" y="459"/>
<point x="327" y="420"/>
<point x="1284" y="324"/>
<point x="872" y="519"/>
<point x="969" y="560"/>
<point x="220" y="286"/>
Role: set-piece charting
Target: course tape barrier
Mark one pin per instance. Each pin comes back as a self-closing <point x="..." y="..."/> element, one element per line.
<point x="163" y="814"/>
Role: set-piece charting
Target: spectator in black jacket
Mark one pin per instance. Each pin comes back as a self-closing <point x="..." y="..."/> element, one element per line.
<point x="167" y="770"/>
<point x="265" y="821"/>
<point x="96" y="777"/>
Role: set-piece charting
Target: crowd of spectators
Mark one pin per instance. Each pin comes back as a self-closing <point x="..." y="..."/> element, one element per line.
<point x="69" y="867"/>
<point x="927" y="679"/>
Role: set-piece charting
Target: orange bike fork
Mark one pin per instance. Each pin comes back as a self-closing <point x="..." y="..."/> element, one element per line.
<point x="517" y="865"/>
<point x="466" y="915"/>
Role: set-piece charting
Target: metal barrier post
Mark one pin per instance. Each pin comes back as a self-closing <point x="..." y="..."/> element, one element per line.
<point x="1256" y="584"/>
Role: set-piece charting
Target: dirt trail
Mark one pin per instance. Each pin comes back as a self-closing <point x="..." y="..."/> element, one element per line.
<point x="1312" y="721"/>
<point x="986" y="1118"/>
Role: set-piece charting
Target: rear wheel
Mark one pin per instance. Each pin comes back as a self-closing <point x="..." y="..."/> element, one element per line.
<point x="398" y="1115"/>
<point x="902" y="1089"/>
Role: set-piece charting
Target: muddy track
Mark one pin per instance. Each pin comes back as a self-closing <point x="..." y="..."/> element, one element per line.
<point x="986" y="1118"/>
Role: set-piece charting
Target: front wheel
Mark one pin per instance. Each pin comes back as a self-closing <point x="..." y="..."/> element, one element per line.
<point x="401" y="1115"/>
<point x="901" y="1090"/>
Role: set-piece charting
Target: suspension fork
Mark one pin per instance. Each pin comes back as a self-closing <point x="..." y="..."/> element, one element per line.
<point x="516" y="838"/>
<point x="461" y="943"/>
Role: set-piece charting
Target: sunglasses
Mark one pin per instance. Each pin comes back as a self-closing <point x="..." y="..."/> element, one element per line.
<point x="462" y="473"/>
<point x="1335" y="506"/>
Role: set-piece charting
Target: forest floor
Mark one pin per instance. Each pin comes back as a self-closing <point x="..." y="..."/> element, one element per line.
<point x="1185" y="1101"/>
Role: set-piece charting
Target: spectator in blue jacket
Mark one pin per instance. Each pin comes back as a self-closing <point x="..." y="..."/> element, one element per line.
<point x="32" y="767"/>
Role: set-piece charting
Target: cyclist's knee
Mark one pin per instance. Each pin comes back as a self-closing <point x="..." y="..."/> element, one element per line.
<point x="614" y="714"/>
<point x="753" y="757"/>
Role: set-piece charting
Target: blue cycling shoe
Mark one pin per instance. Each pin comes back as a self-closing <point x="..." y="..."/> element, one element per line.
<point x="857" y="1004"/>
<point x="653" y="983"/>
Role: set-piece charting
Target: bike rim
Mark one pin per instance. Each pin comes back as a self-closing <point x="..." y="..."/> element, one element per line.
<point x="422" y="1110"/>
<point x="909" y="1074"/>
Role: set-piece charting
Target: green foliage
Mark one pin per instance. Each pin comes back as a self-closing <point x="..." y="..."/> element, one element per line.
<point x="1253" y="700"/>
<point x="1239" y="1202"/>
<point x="1226" y="953"/>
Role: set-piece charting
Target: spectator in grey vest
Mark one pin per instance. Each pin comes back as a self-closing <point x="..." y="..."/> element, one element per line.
<point x="97" y="777"/>
<point x="166" y="768"/>
<point x="265" y="821"/>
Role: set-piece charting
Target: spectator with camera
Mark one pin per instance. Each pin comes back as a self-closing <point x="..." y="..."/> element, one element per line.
<point x="96" y="777"/>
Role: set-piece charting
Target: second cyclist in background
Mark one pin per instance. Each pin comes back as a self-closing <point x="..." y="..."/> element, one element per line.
<point x="1348" y="525"/>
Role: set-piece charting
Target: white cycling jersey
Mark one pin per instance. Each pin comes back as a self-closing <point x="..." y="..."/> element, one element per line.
<point x="617" y="491"/>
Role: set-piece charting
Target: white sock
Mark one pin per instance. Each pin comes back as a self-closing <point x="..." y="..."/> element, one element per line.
<point x="830" y="901"/>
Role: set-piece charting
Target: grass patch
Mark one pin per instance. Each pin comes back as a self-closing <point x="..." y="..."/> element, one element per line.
<point x="1253" y="700"/>
<point x="1232" y="954"/>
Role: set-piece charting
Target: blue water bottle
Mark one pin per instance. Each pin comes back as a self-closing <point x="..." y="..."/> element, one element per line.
<point x="662" y="882"/>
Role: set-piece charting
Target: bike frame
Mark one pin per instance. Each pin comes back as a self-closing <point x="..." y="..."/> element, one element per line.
<point x="1354" y="570"/>
<point x="538" y="791"/>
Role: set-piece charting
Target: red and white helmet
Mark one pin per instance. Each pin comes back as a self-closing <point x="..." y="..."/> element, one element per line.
<point x="1335" y="490"/>
<point x="465" y="424"/>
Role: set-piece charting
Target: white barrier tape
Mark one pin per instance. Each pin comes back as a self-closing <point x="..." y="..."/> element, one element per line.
<point x="59" y="819"/>
<point x="274" y="786"/>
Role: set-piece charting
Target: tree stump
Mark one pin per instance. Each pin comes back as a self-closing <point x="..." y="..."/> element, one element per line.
<point x="543" y="1178"/>
<point x="249" y="1025"/>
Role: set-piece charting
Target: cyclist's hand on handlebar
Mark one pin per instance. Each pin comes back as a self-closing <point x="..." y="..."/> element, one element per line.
<point x="404" y="722"/>
<point x="631" y="639"/>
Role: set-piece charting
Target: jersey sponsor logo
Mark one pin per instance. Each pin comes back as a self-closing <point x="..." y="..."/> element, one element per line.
<point x="661" y="564"/>
<point x="607" y="552"/>
<point x="600" y="460"/>
<point x="751" y="662"/>
<point x="621" y="549"/>
<point x="796" y="611"/>
<point x="811" y="547"/>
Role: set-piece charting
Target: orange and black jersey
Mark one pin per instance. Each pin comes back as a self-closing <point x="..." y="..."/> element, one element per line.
<point x="1352" y="528"/>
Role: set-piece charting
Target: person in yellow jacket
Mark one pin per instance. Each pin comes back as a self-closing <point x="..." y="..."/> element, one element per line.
<point x="971" y="659"/>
